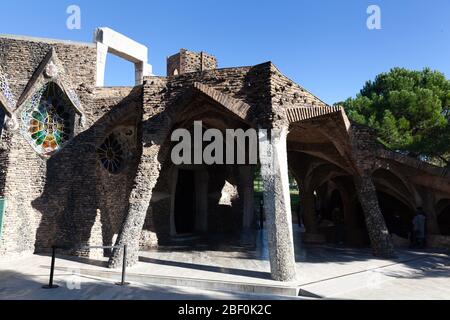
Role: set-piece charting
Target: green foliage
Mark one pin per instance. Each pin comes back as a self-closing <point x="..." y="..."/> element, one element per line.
<point x="409" y="109"/>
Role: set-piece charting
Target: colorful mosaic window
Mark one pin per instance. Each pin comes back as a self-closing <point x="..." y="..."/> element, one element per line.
<point x="48" y="119"/>
<point x="6" y="91"/>
<point x="2" y="119"/>
<point x="111" y="154"/>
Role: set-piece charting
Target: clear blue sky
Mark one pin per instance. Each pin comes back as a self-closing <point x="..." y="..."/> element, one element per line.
<point x="324" y="45"/>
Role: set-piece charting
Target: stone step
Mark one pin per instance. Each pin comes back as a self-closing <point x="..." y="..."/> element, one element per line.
<point x="206" y="284"/>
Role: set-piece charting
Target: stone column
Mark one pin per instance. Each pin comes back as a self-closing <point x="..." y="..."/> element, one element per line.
<point x="246" y="179"/>
<point x="352" y="234"/>
<point x="141" y="70"/>
<point x="246" y="192"/>
<point x="277" y="204"/>
<point x="428" y="203"/>
<point x="309" y="211"/>
<point x="130" y="233"/>
<point x="102" y="53"/>
<point x="312" y="234"/>
<point x="201" y="187"/>
<point x="378" y="233"/>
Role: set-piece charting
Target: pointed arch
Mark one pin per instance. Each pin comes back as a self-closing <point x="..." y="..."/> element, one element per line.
<point x="7" y="101"/>
<point x="238" y="107"/>
<point x="51" y="70"/>
<point x="394" y="184"/>
<point x="48" y="107"/>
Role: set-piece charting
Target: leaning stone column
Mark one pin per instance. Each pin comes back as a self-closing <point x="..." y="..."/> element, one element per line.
<point x="378" y="233"/>
<point x="277" y="204"/>
<point x="130" y="233"/>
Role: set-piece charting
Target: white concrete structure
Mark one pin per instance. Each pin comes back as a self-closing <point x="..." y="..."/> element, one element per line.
<point x="110" y="41"/>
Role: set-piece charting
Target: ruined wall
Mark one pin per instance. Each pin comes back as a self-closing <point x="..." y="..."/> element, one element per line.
<point x="187" y="61"/>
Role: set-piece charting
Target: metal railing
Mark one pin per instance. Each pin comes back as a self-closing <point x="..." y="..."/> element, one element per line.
<point x="51" y="285"/>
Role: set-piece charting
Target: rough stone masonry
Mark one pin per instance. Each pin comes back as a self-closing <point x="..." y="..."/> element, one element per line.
<point x="84" y="165"/>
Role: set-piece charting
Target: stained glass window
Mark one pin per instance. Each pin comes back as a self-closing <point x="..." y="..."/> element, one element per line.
<point x="111" y="154"/>
<point x="118" y="148"/>
<point x="48" y="119"/>
<point x="2" y="119"/>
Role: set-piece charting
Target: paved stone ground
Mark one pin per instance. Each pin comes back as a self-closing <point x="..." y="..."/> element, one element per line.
<point x="324" y="272"/>
<point x="18" y="286"/>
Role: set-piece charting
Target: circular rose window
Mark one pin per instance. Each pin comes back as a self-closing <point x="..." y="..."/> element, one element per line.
<point x="111" y="154"/>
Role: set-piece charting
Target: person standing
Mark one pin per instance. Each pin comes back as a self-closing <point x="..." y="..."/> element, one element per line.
<point x="300" y="211"/>
<point x="419" y="225"/>
<point x="338" y="219"/>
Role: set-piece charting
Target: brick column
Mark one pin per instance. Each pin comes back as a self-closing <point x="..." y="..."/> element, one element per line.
<point x="277" y="204"/>
<point x="428" y="203"/>
<point x="312" y="234"/>
<point x="378" y="233"/>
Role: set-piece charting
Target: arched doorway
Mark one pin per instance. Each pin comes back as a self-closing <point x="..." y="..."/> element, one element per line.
<point x="185" y="204"/>
<point x="443" y="207"/>
<point x="199" y="203"/>
<point x="397" y="215"/>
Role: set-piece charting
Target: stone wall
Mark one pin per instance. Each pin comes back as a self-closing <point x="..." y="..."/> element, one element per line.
<point x="26" y="179"/>
<point x="58" y="200"/>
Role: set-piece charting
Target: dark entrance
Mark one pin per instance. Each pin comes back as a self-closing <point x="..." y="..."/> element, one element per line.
<point x="397" y="215"/>
<point x="444" y="221"/>
<point x="185" y="202"/>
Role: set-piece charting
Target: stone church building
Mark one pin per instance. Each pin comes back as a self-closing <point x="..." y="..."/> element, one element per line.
<point x="82" y="164"/>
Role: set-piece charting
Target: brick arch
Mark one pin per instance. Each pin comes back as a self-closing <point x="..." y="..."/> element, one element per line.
<point x="51" y="70"/>
<point x="124" y="112"/>
<point x="395" y="185"/>
<point x="235" y="106"/>
<point x="156" y="132"/>
<point x="333" y="125"/>
<point x="182" y="107"/>
<point x="323" y="173"/>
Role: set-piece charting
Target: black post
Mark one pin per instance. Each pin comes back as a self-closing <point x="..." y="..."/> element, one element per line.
<point x="52" y="271"/>
<point x="124" y="267"/>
